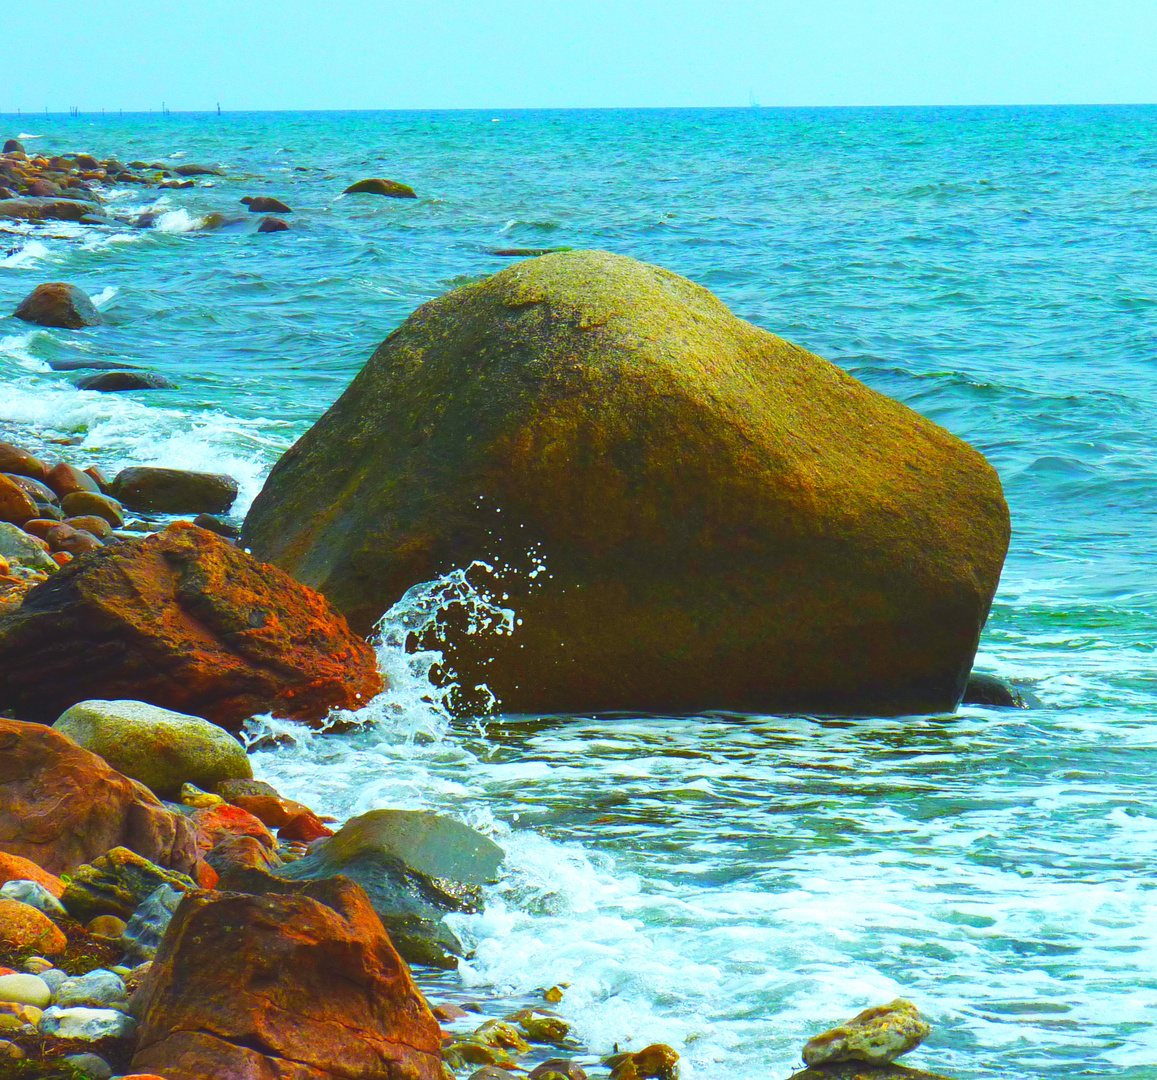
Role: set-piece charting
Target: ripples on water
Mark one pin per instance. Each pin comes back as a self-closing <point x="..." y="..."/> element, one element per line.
<point x="728" y="884"/>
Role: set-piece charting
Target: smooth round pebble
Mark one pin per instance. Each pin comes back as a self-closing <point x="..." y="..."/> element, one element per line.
<point x="108" y="926"/>
<point x="34" y="965"/>
<point x="53" y="977"/>
<point x="91" y="1065"/>
<point x="25" y="990"/>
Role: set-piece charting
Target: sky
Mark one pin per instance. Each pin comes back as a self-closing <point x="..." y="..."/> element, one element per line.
<point x="493" y="54"/>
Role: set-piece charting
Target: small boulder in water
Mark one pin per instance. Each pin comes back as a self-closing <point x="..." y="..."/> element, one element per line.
<point x="59" y="304"/>
<point x="263" y="204"/>
<point x="877" y="1036"/>
<point x="13" y="146"/>
<point x="114" y="382"/>
<point x="377" y="186"/>
<point x="197" y="170"/>
<point x="273" y="224"/>
<point x="989" y="690"/>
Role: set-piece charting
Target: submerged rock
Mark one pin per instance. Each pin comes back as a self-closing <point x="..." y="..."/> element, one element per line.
<point x="61" y="806"/>
<point x="151" y="490"/>
<point x="58" y="304"/>
<point x="160" y="748"/>
<point x="283" y="985"/>
<point x="724" y="519"/>
<point x="114" y="382"/>
<point x="989" y="690"/>
<point x="31" y="209"/>
<point x="197" y="170"/>
<point x="263" y="204"/>
<point x="272" y="224"/>
<point x="90" y="1024"/>
<point x="189" y="622"/>
<point x="377" y="186"/>
<point x="414" y="866"/>
<point x="877" y="1036"/>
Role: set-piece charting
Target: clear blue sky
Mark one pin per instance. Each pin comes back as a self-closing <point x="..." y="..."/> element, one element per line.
<point x="370" y="54"/>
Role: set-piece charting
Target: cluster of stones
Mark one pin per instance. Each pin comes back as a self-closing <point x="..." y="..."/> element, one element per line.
<point x="49" y="514"/>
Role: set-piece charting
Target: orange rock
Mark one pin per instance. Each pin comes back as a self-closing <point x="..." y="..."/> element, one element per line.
<point x="188" y="621"/>
<point x="304" y="828"/>
<point x="24" y="929"/>
<point x="73" y="541"/>
<point x="16" y="505"/>
<point x="15" y="868"/>
<point x="205" y="875"/>
<point x="314" y="990"/>
<point x="215" y="823"/>
<point x="62" y="558"/>
<point x="39" y="527"/>
<point x="241" y="853"/>
<point x="295" y="820"/>
<point x="90" y="523"/>
<point x="61" y="806"/>
<point x="15" y="460"/>
<point x="64" y="479"/>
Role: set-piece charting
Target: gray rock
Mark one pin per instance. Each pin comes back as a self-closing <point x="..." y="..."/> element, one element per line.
<point x="173" y="491"/>
<point x="147" y="926"/>
<point x="90" y="1065"/>
<point x="114" y="382"/>
<point x="54" y="977"/>
<point x="99" y="989"/>
<point x="197" y="170"/>
<point x="160" y="748"/>
<point x="34" y="895"/>
<point x="90" y="1024"/>
<point x="18" y="547"/>
<point x="415" y="867"/>
<point x="81" y="365"/>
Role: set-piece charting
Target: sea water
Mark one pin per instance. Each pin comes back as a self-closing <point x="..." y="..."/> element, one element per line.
<point x="729" y="884"/>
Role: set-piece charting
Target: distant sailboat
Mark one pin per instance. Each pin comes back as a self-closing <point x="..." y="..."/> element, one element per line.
<point x="752" y="103"/>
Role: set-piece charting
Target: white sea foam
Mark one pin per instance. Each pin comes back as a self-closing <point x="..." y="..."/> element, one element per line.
<point x="32" y="252"/>
<point x="178" y="221"/>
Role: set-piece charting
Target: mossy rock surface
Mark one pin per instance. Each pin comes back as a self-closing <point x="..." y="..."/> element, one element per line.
<point x="725" y="519"/>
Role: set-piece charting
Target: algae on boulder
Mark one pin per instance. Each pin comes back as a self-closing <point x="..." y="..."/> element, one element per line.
<point x="160" y="748"/>
<point x="725" y="520"/>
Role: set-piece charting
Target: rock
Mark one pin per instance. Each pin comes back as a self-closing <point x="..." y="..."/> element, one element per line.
<point x="34" y="895"/>
<point x="216" y="525"/>
<point x="725" y="520"/>
<point x="272" y="224"/>
<point x="853" y="1070"/>
<point x="216" y="823"/>
<point x="17" y="546"/>
<point x="14" y="868"/>
<point x="61" y="209"/>
<point x="235" y="789"/>
<point x="113" y="382"/>
<point x="16" y="505"/>
<point x="174" y="491"/>
<point x="265" y="205"/>
<point x="24" y="929"/>
<point x="64" y="537"/>
<point x="96" y="526"/>
<point x="144" y="931"/>
<point x="545" y="1029"/>
<point x="117" y="883"/>
<point x="304" y="828"/>
<point x="191" y="795"/>
<point x="15" y="460"/>
<point x="90" y="1024"/>
<point x="25" y="990"/>
<point x="197" y="170"/>
<point x="492" y="1072"/>
<point x="13" y="146"/>
<point x="43" y="189"/>
<point x="501" y="1034"/>
<point x="657" y="1060"/>
<point x="87" y="363"/>
<point x="390" y="188"/>
<point x="564" y="1067"/>
<point x="61" y="806"/>
<point x="20" y="1018"/>
<point x="98" y="989"/>
<point x="38" y="491"/>
<point x="94" y="472"/>
<point x="877" y="1036"/>
<point x="86" y="161"/>
<point x="284" y="814"/>
<point x="414" y="867"/>
<point x="242" y="853"/>
<point x="315" y="990"/>
<point x="91" y="1065"/>
<point x="66" y="479"/>
<point x="160" y="748"/>
<point x="189" y="622"/>
<point x="37" y="965"/>
<point x="107" y="926"/>
<point x="58" y="304"/>
<point x="989" y="690"/>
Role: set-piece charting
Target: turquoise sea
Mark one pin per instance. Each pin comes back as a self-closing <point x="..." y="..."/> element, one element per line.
<point x="729" y="884"/>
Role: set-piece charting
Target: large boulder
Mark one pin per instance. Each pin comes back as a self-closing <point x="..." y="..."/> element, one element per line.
<point x="188" y="621"/>
<point x="723" y="519"/>
<point x="160" y="748"/>
<point x="61" y="806"/>
<point x="415" y="867"/>
<point x="301" y="986"/>
<point x="152" y="490"/>
<point x="59" y="304"/>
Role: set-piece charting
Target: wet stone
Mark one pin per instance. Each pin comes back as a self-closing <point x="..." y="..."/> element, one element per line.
<point x="877" y="1036"/>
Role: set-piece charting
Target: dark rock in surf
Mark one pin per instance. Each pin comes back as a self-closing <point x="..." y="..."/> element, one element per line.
<point x="377" y="186"/>
<point x="59" y="304"/>
<point x="13" y="146"/>
<point x="989" y="690"/>
<point x="727" y="520"/>
<point x="85" y="365"/>
<point x="263" y="204"/>
<point x="152" y="490"/>
<point x="197" y="170"/>
<point x="30" y="209"/>
<point x="272" y="224"/>
<point x="114" y="382"/>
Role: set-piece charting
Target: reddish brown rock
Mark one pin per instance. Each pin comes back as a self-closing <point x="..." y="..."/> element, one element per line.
<point x="15" y="868"/>
<point x="304" y="828"/>
<point x="295" y="820"/>
<point x="58" y="304"/>
<point x="66" y="479"/>
<point x="185" y="620"/>
<point x="89" y="523"/>
<point x="61" y="806"/>
<point x="80" y="503"/>
<point x="241" y="853"/>
<point x="64" y="537"/>
<point x="315" y="991"/>
<point x="39" y="492"/>
<point x="216" y="823"/>
<point x="16" y="505"/>
<point x="98" y="475"/>
<point x="23" y="929"/>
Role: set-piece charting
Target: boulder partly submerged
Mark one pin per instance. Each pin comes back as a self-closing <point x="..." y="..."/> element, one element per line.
<point x="392" y="189"/>
<point x="52" y="209"/>
<point x="58" y="304"/>
<point x="724" y="519"/>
